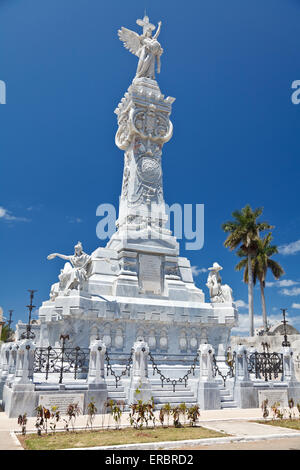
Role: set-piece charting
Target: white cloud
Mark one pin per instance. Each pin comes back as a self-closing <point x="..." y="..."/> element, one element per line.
<point x="243" y="327"/>
<point x="74" y="220"/>
<point x="8" y="217"/>
<point x="296" y="305"/>
<point x="196" y="270"/>
<point x="290" y="292"/>
<point x="241" y="304"/>
<point x="283" y="283"/>
<point x="289" y="248"/>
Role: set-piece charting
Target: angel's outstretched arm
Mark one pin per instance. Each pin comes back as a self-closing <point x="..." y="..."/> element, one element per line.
<point x="157" y="31"/>
<point x="53" y="255"/>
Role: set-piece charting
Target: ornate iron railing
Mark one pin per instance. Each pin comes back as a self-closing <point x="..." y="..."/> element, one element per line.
<point x="61" y="361"/>
<point x="229" y="373"/>
<point x="168" y="380"/>
<point x="109" y="369"/>
<point x="266" y="365"/>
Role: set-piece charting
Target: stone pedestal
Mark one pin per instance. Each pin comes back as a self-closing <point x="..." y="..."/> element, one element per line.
<point x="245" y="395"/>
<point x="208" y="394"/>
<point x="288" y="375"/>
<point x="140" y="386"/>
<point x="96" y="364"/>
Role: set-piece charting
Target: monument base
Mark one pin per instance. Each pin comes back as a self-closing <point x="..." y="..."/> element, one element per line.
<point x="208" y="396"/>
<point x="26" y="398"/>
<point x="245" y="395"/>
<point x="139" y="389"/>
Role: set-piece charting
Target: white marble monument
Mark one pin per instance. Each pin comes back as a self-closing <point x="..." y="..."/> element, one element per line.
<point x="139" y="286"/>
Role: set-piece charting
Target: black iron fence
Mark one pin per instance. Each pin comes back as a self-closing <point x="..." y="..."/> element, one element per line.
<point x="75" y="361"/>
<point x="168" y="380"/>
<point x="61" y="361"/>
<point x="125" y="371"/>
<point x="265" y="365"/>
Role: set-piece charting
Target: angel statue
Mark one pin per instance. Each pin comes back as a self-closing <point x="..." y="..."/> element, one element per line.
<point x="145" y="47"/>
<point x="74" y="274"/>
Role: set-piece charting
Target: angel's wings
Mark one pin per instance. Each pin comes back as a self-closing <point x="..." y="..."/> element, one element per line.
<point x="131" y="40"/>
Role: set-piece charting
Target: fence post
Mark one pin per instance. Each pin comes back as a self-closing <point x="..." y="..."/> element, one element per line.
<point x="13" y="351"/>
<point x="4" y="360"/>
<point x="96" y="365"/>
<point x="140" y="386"/>
<point x="97" y="387"/>
<point x="208" y="393"/>
<point x="24" y="363"/>
<point x="245" y="395"/>
<point x="20" y="396"/>
<point x="288" y="374"/>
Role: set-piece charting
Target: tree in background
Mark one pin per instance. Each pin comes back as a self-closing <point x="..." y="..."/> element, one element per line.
<point x="261" y="263"/>
<point x="6" y="333"/>
<point x="243" y="234"/>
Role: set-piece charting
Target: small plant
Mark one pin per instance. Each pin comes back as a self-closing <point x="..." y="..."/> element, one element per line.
<point x="117" y="410"/>
<point x="150" y="410"/>
<point x="167" y="410"/>
<point x="43" y="415"/>
<point x="55" y="417"/>
<point x="176" y="416"/>
<point x="277" y="413"/>
<point x="298" y="408"/>
<point x="109" y="406"/>
<point x="22" y="421"/>
<point x="193" y="414"/>
<point x="162" y="416"/>
<point x="73" y="411"/>
<point x="183" y="411"/>
<point x="291" y="408"/>
<point x="141" y="413"/>
<point x="264" y="407"/>
<point x="92" y="410"/>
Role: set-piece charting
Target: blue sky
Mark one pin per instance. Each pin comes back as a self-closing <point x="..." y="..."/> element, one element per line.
<point x="230" y="66"/>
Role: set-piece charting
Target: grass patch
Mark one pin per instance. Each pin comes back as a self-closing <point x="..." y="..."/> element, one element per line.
<point x="283" y="423"/>
<point x="65" y="440"/>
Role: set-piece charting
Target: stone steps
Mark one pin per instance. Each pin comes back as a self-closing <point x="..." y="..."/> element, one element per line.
<point x="229" y="404"/>
<point x="226" y="396"/>
<point x="174" y="400"/>
<point x="170" y="393"/>
<point x="116" y="395"/>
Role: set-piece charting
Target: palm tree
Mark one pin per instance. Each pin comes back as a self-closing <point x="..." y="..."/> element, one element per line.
<point x="261" y="262"/>
<point x="244" y="233"/>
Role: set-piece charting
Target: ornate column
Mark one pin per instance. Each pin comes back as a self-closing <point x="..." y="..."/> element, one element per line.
<point x="13" y="351"/>
<point x="142" y="239"/>
<point x="208" y="394"/>
<point x="244" y="392"/>
<point x="25" y="363"/>
<point x="288" y="375"/>
<point x="96" y="365"/>
<point x="143" y="128"/>
<point x="97" y="387"/>
<point x="140" y="386"/>
<point x="4" y="360"/>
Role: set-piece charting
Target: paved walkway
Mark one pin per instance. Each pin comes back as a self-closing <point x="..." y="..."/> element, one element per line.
<point x="292" y="443"/>
<point x="246" y="428"/>
<point x="7" y="442"/>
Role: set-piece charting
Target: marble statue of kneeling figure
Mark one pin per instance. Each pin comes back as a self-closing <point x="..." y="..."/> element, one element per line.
<point x="218" y="293"/>
<point x="75" y="271"/>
